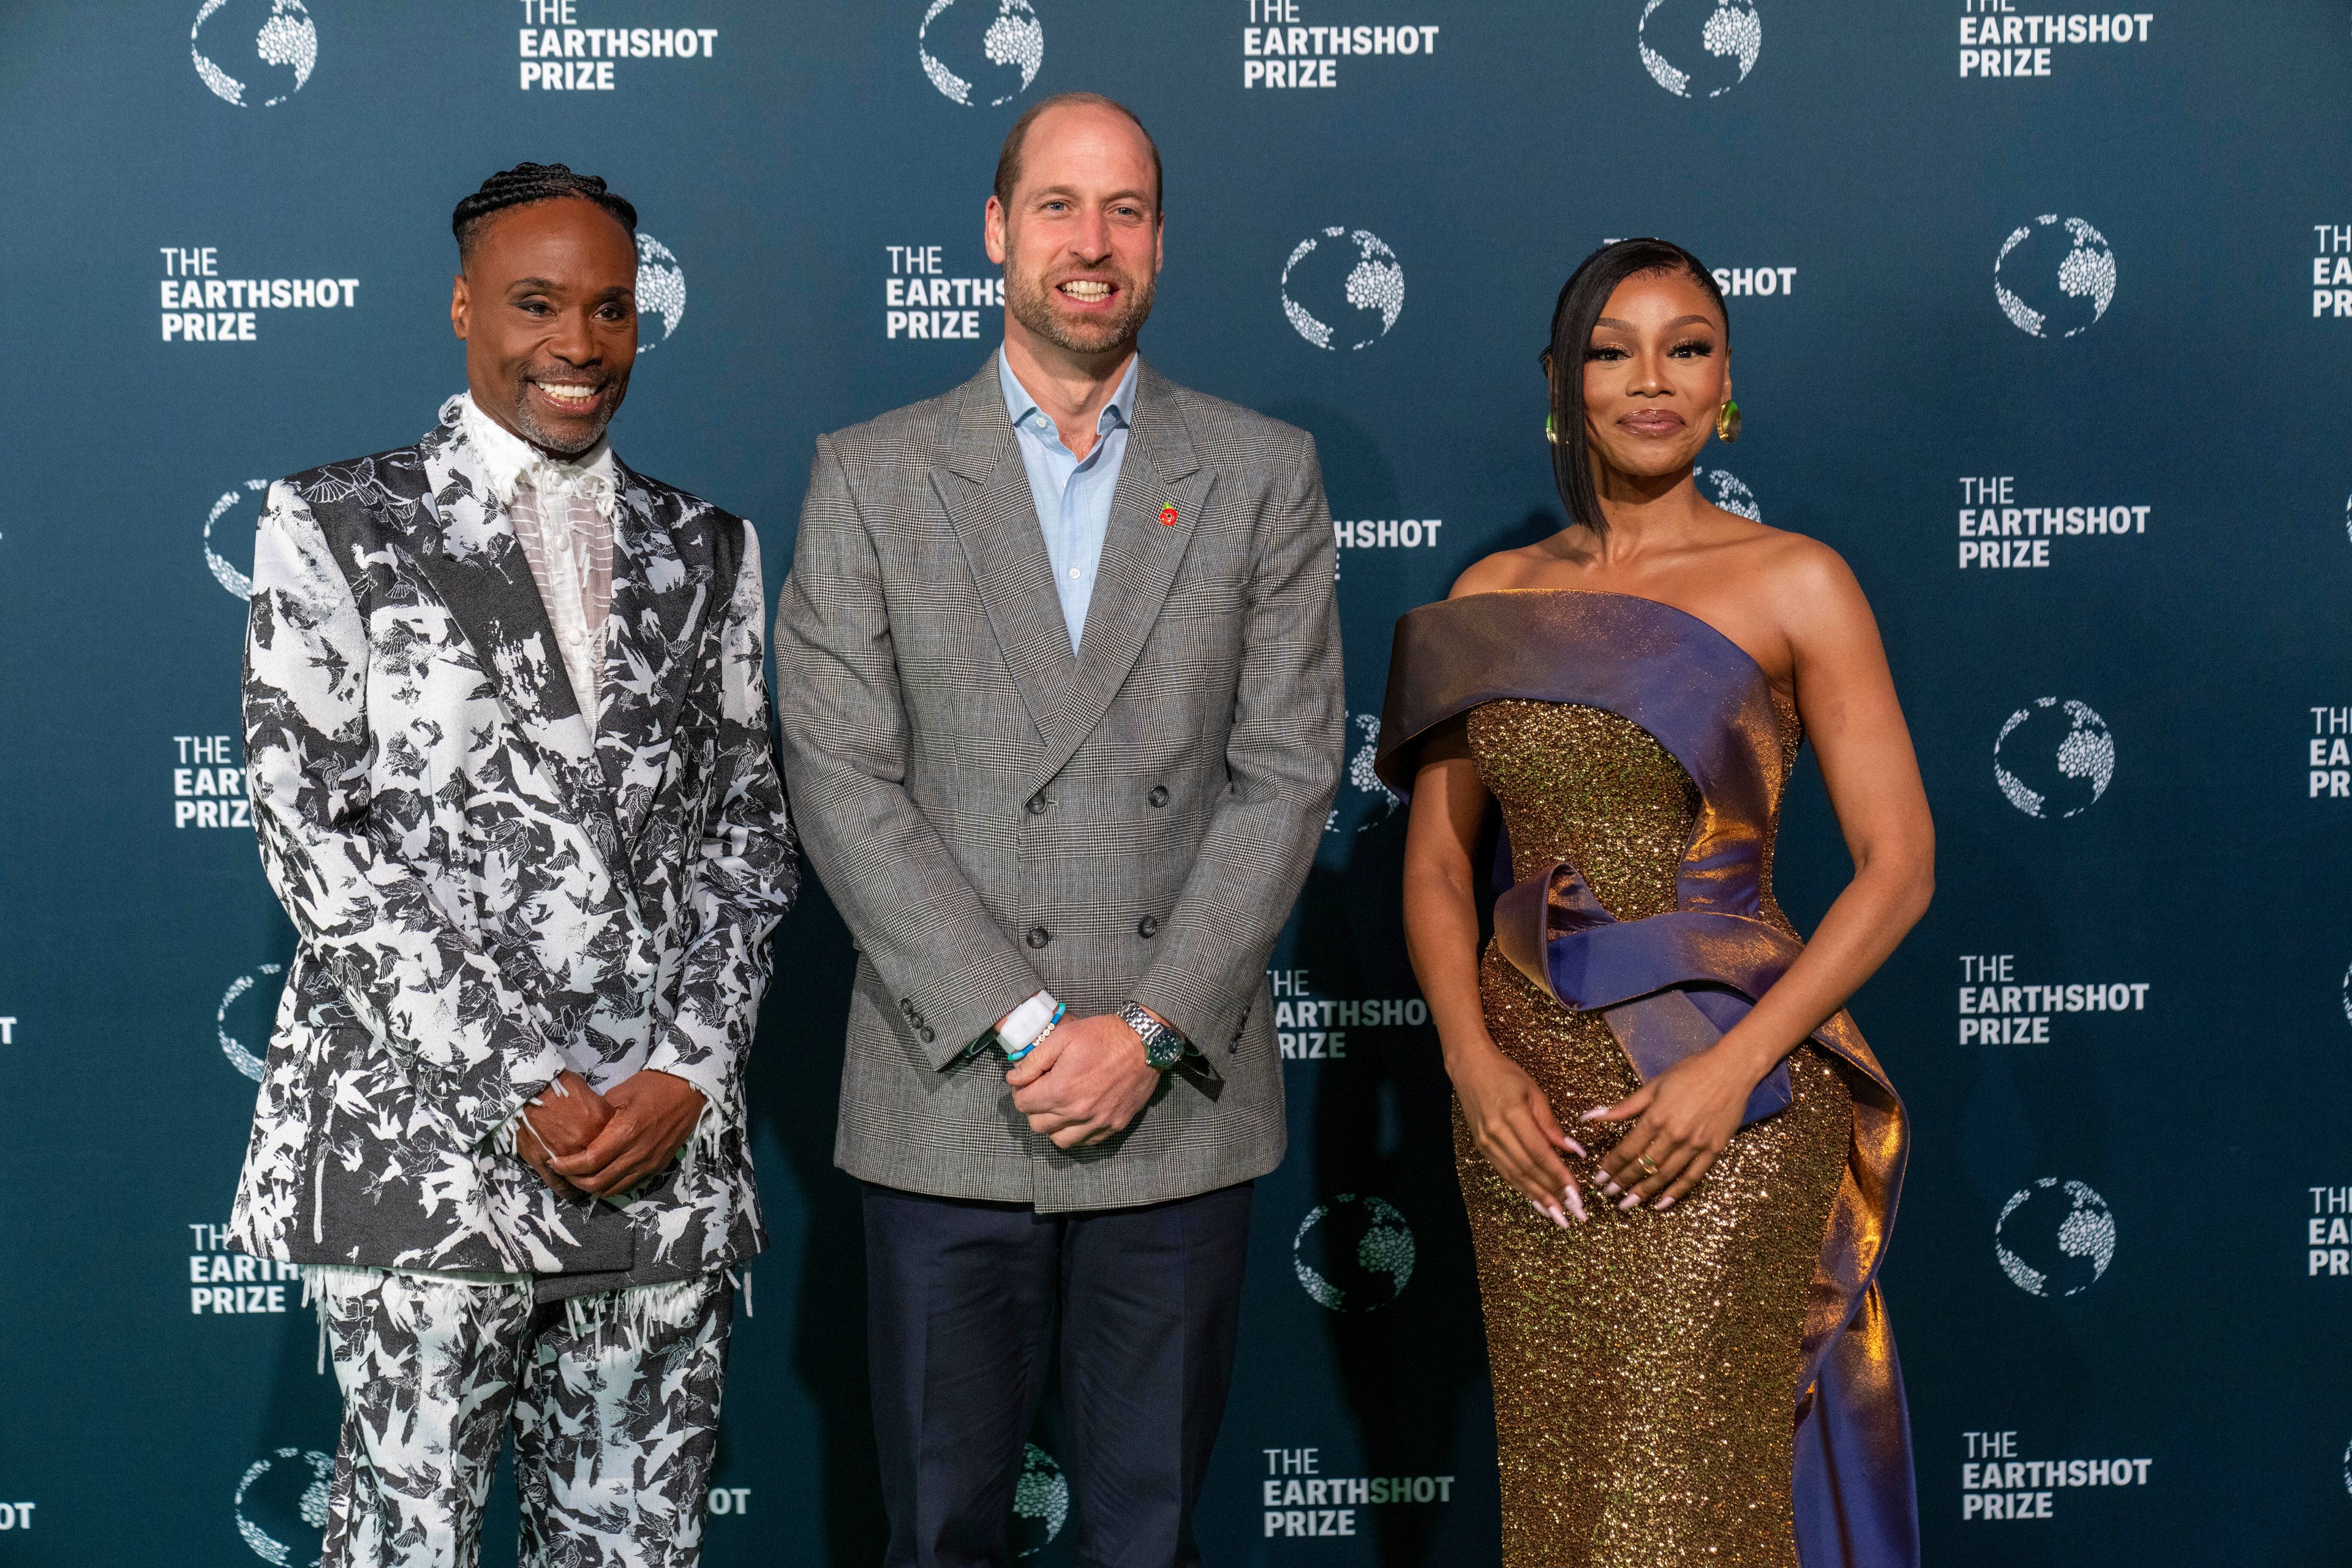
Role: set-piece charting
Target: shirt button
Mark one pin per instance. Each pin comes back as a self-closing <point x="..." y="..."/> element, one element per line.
<point x="1038" y="802"/>
<point x="1075" y="573"/>
<point x="1039" y="936"/>
<point x="1158" y="796"/>
<point x="1147" y="928"/>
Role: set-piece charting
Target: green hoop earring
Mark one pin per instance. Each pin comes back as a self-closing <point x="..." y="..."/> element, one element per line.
<point x="1726" y="422"/>
<point x="1551" y="428"/>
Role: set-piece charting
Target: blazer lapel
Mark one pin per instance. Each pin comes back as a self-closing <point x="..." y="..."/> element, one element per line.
<point x="467" y="549"/>
<point x="984" y="486"/>
<point x="658" y="601"/>
<point x="1140" y="557"/>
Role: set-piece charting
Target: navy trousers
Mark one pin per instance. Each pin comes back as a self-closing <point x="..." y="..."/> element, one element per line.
<point x="963" y="1299"/>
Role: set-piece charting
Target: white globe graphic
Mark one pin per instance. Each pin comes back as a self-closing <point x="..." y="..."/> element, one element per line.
<point x="2053" y="759"/>
<point x="1699" y="48"/>
<point x="245" y="47"/>
<point x="973" y="53"/>
<point x="2347" y="995"/>
<point x="241" y="1059"/>
<point x="2347" y="516"/>
<point x="1353" y="1254"/>
<point x="661" y="290"/>
<point x="225" y="571"/>
<point x="2054" y="277"/>
<point x="2055" y="1238"/>
<point x="279" y="1504"/>
<point x="1041" y="1502"/>
<point x="1329" y="291"/>
<point x="1722" y="487"/>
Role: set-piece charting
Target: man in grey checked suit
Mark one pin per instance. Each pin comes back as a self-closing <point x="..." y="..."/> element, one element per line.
<point x="1062" y="717"/>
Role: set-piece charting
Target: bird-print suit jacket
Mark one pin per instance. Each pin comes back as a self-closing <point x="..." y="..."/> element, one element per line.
<point x="990" y="813"/>
<point x="488" y="885"/>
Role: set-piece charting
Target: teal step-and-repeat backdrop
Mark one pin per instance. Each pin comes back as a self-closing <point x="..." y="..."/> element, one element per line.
<point x="2042" y="318"/>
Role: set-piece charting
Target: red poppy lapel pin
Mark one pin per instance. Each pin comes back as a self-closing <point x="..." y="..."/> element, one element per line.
<point x="1167" y="517"/>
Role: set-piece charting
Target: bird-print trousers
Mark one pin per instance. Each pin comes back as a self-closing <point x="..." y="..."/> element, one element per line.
<point x="613" y="1398"/>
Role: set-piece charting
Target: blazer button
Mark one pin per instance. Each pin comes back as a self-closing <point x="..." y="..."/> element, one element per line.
<point x="1147" y="928"/>
<point x="926" y="1036"/>
<point x="907" y="1006"/>
<point x="1158" y="796"/>
<point x="1039" y="936"/>
<point x="1038" y="802"/>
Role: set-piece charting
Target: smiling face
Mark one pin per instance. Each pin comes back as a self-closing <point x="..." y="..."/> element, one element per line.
<point x="1079" y="241"/>
<point x="548" y="307"/>
<point x="1656" y="372"/>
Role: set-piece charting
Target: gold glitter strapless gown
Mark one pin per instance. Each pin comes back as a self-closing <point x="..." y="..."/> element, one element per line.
<point x="1646" y="1364"/>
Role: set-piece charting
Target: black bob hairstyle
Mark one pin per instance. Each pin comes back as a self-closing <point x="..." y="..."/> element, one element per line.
<point x="528" y="183"/>
<point x="1582" y="301"/>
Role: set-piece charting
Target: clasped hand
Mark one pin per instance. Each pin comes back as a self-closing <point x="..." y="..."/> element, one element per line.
<point x="599" y="1145"/>
<point x="1085" y="1082"/>
<point x="1683" y="1120"/>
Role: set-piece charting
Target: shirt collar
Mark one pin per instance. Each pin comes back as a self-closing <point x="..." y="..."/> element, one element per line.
<point x="1117" y="414"/>
<point x="507" y="461"/>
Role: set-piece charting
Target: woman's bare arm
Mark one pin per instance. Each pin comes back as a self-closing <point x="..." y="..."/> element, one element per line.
<point x="1845" y="695"/>
<point x="1509" y="1120"/>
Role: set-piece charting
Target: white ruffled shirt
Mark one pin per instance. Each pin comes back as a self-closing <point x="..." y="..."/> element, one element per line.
<point x="561" y="510"/>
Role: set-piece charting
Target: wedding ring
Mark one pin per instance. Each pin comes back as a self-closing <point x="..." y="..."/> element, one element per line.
<point x="1649" y="1167"/>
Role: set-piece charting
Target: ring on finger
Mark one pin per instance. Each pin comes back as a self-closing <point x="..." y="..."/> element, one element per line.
<point x="1649" y="1167"/>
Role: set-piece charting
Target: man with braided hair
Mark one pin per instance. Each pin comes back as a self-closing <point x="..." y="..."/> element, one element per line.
<point x="509" y="739"/>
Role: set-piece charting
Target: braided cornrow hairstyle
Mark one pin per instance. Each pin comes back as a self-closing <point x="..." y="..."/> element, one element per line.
<point x="528" y="183"/>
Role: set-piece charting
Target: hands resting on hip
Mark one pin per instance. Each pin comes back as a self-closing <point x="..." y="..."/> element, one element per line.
<point x="601" y="1145"/>
<point x="1085" y="1082"/>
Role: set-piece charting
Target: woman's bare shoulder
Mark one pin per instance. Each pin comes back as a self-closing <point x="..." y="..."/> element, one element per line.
<point x="1494" y="574"/>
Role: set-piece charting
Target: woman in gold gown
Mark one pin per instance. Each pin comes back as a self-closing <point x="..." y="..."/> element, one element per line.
<point x="1679" y="1158"/>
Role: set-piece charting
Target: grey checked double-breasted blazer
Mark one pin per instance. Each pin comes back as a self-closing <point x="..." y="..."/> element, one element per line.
<point x="490" y="884"/>
<point x="990" y="813"/>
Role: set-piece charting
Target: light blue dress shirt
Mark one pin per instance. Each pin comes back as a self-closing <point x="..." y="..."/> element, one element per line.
<point x="1073" y="497"/>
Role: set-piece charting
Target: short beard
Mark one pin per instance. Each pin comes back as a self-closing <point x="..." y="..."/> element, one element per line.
<point x="561" y="445"/>
<point x="1030" y="300"/>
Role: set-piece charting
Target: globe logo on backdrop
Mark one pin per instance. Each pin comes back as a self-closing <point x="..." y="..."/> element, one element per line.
<point x="254" y="45"/>
<point x="1722" y="487"/>
<point x="2053" y="759"/>
<point x="661" y="288"/>
<point x="1699" y="48"/>
<point x="223" y="569"/>
<point x="2347" y="516"/>
<point x="278" y="1502"/>
<point x="1364" y="775"/>
<point x="2055" y="1238"/>
<point x="244" y="1060"/>
<point x="2347" y="995"/>
<point x="1330" y="290"/>
<point x="966" y="47"/>
<point x="2054" y="277"/>
<point x="1041" y="1502"/>
<point x="1353" y="1254"/>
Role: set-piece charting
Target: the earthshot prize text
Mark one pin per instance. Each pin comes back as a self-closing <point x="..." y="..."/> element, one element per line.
<point x="1997" y="1485"/>
<point x="1298" y="1502"/>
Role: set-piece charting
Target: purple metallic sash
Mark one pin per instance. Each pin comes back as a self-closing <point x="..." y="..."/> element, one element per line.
<point x="1669" y="984"/>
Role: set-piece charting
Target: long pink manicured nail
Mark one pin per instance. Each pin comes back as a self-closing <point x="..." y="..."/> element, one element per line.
<point x="1558" y="1218"/>
<point x="1574" y="1147"/>
<point x="1576" y="1205"/>
<point x="1665" y="1203"/>
<point x="1595" y="1114"/>
<point x="1630" y="1199"/>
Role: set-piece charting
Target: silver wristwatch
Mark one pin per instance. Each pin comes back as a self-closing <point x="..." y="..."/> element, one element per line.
<point x="1163" y="1047"/>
